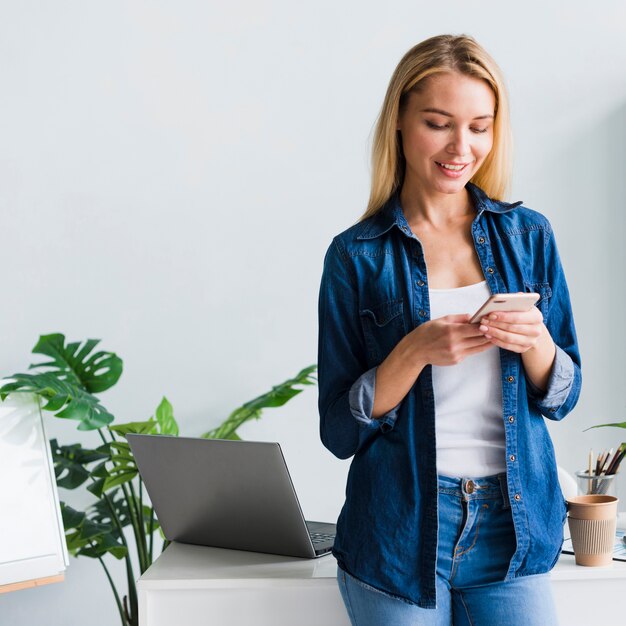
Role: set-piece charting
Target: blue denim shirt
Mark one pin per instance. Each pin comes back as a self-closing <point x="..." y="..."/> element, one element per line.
<point x="374" y="290"/>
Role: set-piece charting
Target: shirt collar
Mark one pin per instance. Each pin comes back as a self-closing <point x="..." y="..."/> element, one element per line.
<point x="392" y="215"/>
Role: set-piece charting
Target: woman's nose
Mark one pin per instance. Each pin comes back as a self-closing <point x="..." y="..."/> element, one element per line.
<point x="460" y="142"/>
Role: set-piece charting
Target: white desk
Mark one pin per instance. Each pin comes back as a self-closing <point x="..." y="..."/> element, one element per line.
<point x="195" y="585"/>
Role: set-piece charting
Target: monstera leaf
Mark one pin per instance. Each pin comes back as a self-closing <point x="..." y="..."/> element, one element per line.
<point x="67" y="382"/>
<point x="70" y="463"/>
<point x="75" y="364"/>
<point x="66" y="400"/>
<point x="87" y="535"/>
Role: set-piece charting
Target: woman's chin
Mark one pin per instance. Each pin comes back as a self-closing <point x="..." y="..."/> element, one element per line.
<point x="450" y="186"/>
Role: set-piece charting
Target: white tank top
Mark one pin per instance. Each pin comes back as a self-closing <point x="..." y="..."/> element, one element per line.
<point x="469" y="425"/>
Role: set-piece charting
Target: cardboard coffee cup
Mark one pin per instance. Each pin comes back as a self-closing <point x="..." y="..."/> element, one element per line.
<point x="592" y="520"/>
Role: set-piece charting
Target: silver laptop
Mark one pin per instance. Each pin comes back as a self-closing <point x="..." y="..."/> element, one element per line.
<point x="227" y="494"/>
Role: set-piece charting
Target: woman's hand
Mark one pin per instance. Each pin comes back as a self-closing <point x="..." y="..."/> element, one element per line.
<point x="446" y="340"/>
<point x="523" y="332"/>
<point x="518" y="331"/>
<point x="443" y="341"/>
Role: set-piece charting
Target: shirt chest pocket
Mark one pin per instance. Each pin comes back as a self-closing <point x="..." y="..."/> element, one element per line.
<point x="383" y="327"/>
<point x="545" y="293"/>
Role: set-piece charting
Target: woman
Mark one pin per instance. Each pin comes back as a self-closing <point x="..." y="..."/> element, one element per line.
<point x="453" y="511"/>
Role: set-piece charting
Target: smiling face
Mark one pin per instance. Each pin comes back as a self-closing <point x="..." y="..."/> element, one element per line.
<point x="449" y="121"/>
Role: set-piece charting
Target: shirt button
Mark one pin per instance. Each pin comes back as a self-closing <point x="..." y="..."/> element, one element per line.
<point x="517" y="497"/>
<point x="512" y="457"/>
<point x="420" y="283"/>
<point x="481" y="240"/>
<point x="511" y="419"/>
<point x="511" y="378"/>
<point x="490" y="270"/>
<point x="422" y="313"/>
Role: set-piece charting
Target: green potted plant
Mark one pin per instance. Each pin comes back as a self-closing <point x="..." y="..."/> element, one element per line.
<point x="119" y="522"/>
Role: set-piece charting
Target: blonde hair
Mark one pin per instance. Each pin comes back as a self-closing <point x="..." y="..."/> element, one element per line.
<point x="442" y="53"/>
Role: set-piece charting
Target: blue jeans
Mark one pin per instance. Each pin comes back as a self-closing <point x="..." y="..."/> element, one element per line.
<point x="475" y="543"/>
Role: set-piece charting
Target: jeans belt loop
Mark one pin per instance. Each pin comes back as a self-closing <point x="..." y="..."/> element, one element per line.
<point x="505" y="490"/>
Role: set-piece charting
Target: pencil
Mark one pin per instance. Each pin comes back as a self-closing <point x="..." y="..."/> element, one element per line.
<point x="599" y="462"/>
<point x="605" y="463"/>
<point x="613" y="464"/>
<point x="616" y="461"/>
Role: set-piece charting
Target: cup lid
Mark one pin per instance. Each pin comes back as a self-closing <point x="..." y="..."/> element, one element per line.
<point x="591" y="500"/>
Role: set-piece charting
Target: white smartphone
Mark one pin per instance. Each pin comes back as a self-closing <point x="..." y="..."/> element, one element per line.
<point x="505" y="302"/>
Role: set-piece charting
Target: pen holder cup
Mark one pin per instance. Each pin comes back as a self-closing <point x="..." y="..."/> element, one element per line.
<point x="592" y="520"/>
<point x="603" y="485"/>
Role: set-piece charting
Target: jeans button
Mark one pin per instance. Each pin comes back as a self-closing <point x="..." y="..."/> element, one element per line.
<point x="469" y="486"/>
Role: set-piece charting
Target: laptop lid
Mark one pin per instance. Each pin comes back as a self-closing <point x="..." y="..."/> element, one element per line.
<point x="224" y="493"/>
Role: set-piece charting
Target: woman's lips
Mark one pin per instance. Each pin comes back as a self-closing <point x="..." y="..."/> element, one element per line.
<point x="451" y="173"/>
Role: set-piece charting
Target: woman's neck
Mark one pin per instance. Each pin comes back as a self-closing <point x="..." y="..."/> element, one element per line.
<point x="438" y="211"/>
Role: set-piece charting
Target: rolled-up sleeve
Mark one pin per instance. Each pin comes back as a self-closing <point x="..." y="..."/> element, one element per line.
<point x="565" y="380"/>
<point x="559" y="385"/>
<point x="345" y="382"/>
<point x="361" y="399"/>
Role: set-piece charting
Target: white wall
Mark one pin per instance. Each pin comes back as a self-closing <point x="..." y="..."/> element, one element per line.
<point x="171" y="174"/>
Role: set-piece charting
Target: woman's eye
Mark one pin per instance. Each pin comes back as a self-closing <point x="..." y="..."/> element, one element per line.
<point x="431" y="125"/>
<point x="474" y="130"/>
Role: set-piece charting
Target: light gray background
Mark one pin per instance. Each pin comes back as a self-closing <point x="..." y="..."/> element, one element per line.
<point x="171" y="174"/>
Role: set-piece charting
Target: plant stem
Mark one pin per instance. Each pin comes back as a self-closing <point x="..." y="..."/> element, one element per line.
<point x="117" y="597"/>
<point x="104" y="439"/>
<point x="148" y="525"/>
<point x="141" y="499"/>
<point x="135" y="526"/>
<point x="132" y="593"/>
<point x="130" y="575"/>
<point x="116" y="520"/>
<point x="151" y="533"/>
<point x="141" y="531"/>
<point x="136" y="522"/>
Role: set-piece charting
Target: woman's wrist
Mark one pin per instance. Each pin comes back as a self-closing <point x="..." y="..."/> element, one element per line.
<point x="411" y="355"/>
<point x="395" y="376"/>
<point x="538" y="360"/>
